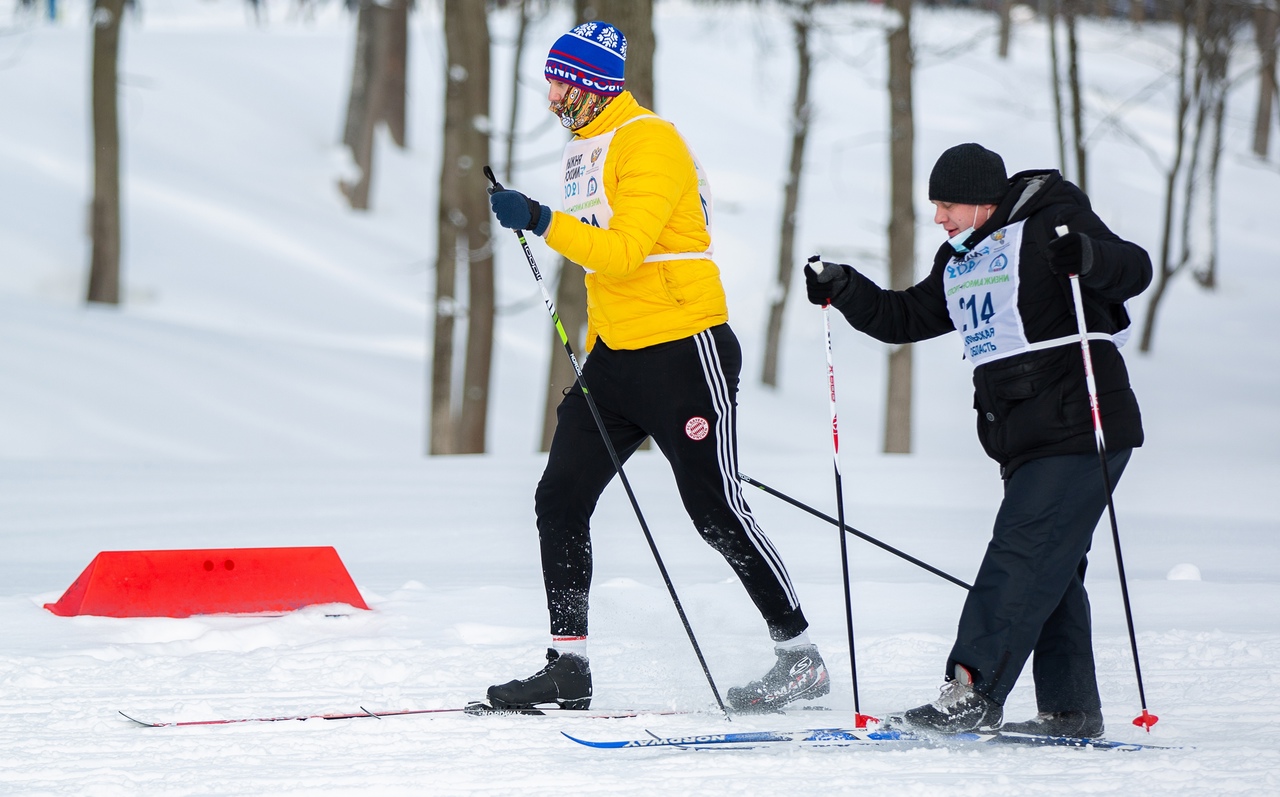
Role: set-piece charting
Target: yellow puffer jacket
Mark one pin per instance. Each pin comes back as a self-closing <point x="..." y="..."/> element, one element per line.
<point x="652" y="186"/>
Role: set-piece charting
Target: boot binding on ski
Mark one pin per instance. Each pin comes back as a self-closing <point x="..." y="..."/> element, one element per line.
<point x="1068" y="724"/>
<point x="960" y="708"/>
<point x="565" y="681"/>
<point x="799" y="674"/>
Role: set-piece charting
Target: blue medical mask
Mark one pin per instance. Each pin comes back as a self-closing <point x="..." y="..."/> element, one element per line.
<point x="957" y="241"/>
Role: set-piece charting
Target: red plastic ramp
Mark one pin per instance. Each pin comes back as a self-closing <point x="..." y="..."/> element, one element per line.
<point x="213" y="581"/>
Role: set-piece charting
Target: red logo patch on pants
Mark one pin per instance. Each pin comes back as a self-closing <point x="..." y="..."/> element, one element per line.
<point x="697" y="428"/>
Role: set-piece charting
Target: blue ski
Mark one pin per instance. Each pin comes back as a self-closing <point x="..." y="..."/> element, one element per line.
<point x="854" y="737"/>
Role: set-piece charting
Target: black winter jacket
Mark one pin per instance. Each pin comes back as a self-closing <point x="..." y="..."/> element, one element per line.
<point x="1036" y="403"/>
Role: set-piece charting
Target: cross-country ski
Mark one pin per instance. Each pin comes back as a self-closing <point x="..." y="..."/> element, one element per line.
<point x="852" y="737"/>
<point x="474" y="709"/>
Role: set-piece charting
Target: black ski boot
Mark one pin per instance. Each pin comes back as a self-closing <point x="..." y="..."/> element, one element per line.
<point x="1075" y="724"/>
<point x="798" y="674"/>
<point x="565" y="681"/>
<point x="959" y="709"/>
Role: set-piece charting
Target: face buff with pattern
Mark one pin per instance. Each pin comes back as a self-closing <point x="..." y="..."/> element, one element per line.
<point x="579" y="107"/>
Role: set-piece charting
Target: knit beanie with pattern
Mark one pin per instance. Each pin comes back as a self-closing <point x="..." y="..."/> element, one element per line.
<point x="592" y="56"/>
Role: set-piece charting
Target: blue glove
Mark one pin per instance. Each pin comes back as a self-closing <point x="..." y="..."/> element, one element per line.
<point x="515" y="211"/>
<point x="823" y="285"/>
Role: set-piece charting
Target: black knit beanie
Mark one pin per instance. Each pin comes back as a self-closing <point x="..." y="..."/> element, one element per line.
<point x="968" y="174"/>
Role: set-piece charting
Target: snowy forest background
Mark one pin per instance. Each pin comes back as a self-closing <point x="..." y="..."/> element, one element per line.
<point x="265" y="380"/>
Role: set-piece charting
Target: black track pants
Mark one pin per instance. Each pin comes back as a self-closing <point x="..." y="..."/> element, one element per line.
<point x="683" y="395"/>
<point x="1029" y="593"/>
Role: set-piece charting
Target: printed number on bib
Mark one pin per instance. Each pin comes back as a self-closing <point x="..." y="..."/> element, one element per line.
<point x="979" y="317"/>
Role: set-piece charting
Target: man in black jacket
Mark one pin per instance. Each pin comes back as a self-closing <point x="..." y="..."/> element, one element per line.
<point x="1001" y="281"/>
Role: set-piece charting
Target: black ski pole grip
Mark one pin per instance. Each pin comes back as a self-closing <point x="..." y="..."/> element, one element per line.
<point x="497" y="186"/>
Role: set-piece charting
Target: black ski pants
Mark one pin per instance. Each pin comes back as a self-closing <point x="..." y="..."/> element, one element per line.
<point x="1029" y="593"/>
<point x="683" y="395"/>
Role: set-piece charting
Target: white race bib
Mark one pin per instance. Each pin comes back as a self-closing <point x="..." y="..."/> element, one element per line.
<point x="982" y="299"/>
<point x="584" y="194"/>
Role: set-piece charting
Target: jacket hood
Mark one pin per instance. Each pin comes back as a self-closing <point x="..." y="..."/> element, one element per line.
<point x="1031" y="192"/>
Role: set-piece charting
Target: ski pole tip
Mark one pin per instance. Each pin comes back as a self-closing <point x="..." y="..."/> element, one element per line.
<point x="1146" y="720"/>
<point x="860" y="721"/>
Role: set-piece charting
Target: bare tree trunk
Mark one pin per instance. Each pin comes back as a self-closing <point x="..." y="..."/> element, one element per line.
<point x="522" y="30"/>
<point x="394" y="65"/>
<point x="363" y="106"/>
<point x="474" y="205"/>
<point x="1208" y="276"/>
<point x="1077" y="104"/>
<point x="635" y="20"/>
<point x="1192" y="181"/>
<point x="440" y="427"/>
<point x="1056" y="78"/>
<point x="1165" y="268"/>
<point x="1265" y="19"/>
<point x="1003" y="8"/>
<point x="1219" y="37"/>
<point x="378" y="88"/>
<point x="801" y="24"/>
<point x="477" y="373"/>
<point x="463" y="237"/>
<point x="361" y="65"/>
<point x="104" y="264"/>
<point x="902" y="222"/>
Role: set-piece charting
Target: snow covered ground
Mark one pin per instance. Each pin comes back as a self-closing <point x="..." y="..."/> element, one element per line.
<point x="263" y="385"/>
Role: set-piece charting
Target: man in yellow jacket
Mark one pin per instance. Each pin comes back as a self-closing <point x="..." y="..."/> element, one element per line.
<point x="663" y="364"/>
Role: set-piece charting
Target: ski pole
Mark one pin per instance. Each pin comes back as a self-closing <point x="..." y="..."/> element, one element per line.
<point x="851" y="530"/>
<point x="1147" y="719"/>
<point x="860" y="719"/>
<point x="613" y="454"/>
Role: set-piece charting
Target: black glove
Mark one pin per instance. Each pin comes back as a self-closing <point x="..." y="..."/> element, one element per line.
<point x="515" y="211"/>
<point x="1071" y="254"/>
<point x="823" y="285"/>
